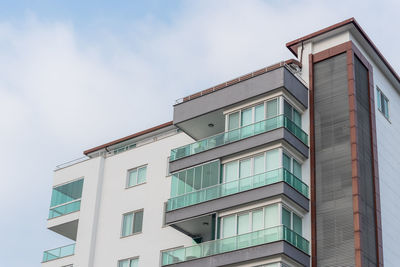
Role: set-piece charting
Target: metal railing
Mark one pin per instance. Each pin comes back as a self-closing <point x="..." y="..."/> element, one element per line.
<point x="57" y="253"/>
<point x="71" y="162"/>
<point x="238" y="134"/>
<point x="214" y="247"/>
<point x="240" y="185"/>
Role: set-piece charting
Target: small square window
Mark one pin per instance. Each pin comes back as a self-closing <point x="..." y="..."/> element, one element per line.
<point x="136" y="176"/>
<point x="132" y="223"/>
<point x="383" y="103"/>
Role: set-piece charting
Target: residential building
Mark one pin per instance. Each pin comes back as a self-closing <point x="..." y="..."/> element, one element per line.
<point x="291" y="165"/>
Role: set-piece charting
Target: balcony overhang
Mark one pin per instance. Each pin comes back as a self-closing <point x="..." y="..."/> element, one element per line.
<point x="280" y="134"/>
<point x="66" y="225"/>
<point x="249" y="254"/>
<point x="193" y="116"/>
<point x="179" y="217"/>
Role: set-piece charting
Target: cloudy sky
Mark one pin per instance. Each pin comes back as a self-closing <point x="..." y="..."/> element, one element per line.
<point x="76" y="74"/>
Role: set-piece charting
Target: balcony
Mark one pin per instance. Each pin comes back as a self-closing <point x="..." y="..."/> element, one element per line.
<point x="242" y="242"/>
<point x="57" y="253"/>
<point x="239" y="134"/>
<point x="240" y="185"/>
<point x="65" y="209"/>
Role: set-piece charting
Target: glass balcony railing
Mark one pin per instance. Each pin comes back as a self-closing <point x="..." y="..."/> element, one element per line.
<point x="265" y="236"/>
<point x="57" y="253"/>
<point x="65" y="209"/>
<point x="238" y="134"/>
<point x="240" y="185"/>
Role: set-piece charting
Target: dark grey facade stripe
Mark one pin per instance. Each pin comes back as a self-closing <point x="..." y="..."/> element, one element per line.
<point x="237" y="199"/>
<point x="249" y="254"/>
<point x="238" y="147"/>
<point x="364" y="151"/>
<point x="242" y="91"/>
<point x="333" y="174"/>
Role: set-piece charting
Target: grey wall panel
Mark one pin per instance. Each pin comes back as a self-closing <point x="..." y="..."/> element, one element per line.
<point x="241" y="91"/>
<point x="237" y="199"/>
<point x="333" y="176"/>
<point x="239" y="146"/>
<point x="249" y="254"/>
<point x="366" y="185"/>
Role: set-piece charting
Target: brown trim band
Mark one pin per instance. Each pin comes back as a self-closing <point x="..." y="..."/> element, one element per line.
<point x="351" y="50"/>
<point x="128" y="137"/>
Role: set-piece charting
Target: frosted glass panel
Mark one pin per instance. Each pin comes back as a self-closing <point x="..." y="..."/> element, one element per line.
<point x="258" y="220"/>
<point x="231" y="171"/>
<point x="259" y="164"/>
<point x="286" y="218"/>
<point x="247" y="117"/>
<point x="272" y="108"/>
<point x="259" y="113"/>
<point x="245" y="168"/>
<point x="272" y="159"/>
<point x="233" y="122"/>
<point x="271" y="216"/>
<point x="243" y="223"/>
<point x="228" y="226"/>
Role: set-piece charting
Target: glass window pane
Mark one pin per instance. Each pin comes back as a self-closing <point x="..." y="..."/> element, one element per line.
<point x="181" y="183"/>
<point x="189" y="180"/>
<point x="66" y="193"/>
<point x="233" y="122"/>
<point x="174" y="184"/>
<point x="296" y="118"/>
<point x="378" y="94"/>
<point x="259" y="164"/>
<point x="142" y="175"/>
<point x="272" y="159"/>
<point x="206" y="176"/>
<point x="286" y="218"/>
<point x="272" y="108"/>
<point x="243" y="223"/>
<point x="287" y="110"/>
<point x="127" y="224"/>
<point x="228" y="226"/>
<point x="247" y="116"/>
<point x="132" y="179"/>
<point x="296" y="169"/>
<point x="198" y="173"/>
<point x="134" y="263"/>
<point x="258" y="220"/>
<point x="297" y="224"/>
<point x="245" y="168"/>
<point x="123" y="263"/>
<point x="271" y="216"/>
<point x="214" y="173"/>
<point x="386" y="107"/>
<point x="259" y="113"/>
<point x="287" y="162"/>
<point x="231" y="171"/>
<point x="382" y="102"/>
<point x="138" y="222"/>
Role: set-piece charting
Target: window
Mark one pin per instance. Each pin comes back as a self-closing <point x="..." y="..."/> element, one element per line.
<point x="292" y="113"/>
<point x="292" y="165"/>
<point x="136" y="176"/>
<point x="383" y="103"/>
<point x="132" y="223"/>
<point x="196" y="178"/>
<point x="129" y="263"/>
<point x="66" y="198"/>
<point x="292" y="221"/>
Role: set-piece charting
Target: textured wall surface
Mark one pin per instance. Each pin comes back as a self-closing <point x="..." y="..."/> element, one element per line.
<point x="334" y="210"/>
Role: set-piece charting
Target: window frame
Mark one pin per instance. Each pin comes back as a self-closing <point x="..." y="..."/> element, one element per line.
<point x="128" y="259"/>
<point x="133" y="223"/>
<point x="384" y="110"/>
<point x="127" y="186"/>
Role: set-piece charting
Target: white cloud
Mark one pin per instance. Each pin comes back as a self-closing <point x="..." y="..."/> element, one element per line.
<point x="62" y="92"/>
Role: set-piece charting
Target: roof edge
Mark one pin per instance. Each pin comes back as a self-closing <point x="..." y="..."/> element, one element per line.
<point x="152" y="129"/>
<point x="292" y="46"/>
